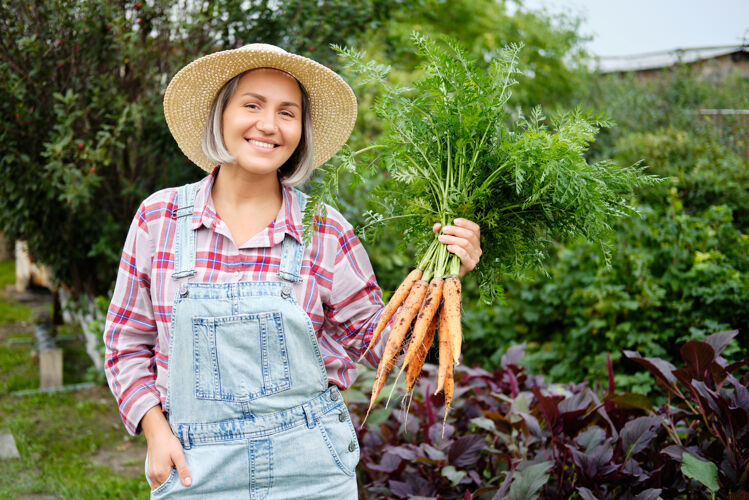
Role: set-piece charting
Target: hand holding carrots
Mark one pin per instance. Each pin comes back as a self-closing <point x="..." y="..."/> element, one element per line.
<point x="464" y="240"/>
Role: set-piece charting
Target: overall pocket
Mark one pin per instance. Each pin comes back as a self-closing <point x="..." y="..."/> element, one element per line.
<point x="240" y="357"/>
<point x="340" y="437"/>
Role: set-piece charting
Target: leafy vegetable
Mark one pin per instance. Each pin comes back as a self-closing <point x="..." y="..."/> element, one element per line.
<point x="511" y="432"/>
<point x="453" y="149"/>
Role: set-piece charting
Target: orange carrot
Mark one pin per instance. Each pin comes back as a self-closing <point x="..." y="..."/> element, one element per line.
<point x="445" y="353"/>
<point x="423" y="321"/>
<point x="449" y="386"/>
<point x="417" y="362"/>
<point x="397" y="333"/>
<point x="398" y="297"/>
<point x="452" y="292"/>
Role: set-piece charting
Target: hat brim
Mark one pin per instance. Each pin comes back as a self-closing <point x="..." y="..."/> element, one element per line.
<point x="190" y="94"/>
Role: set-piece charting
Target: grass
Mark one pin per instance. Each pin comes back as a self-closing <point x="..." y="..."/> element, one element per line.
<point x="72" y="445"/>
<point x="10" y="311"/>
<point x="60" y="439"/>
<point x="7" y="272"/>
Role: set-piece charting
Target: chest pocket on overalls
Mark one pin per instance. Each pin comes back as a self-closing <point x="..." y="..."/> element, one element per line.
<point x="240" y="357"/>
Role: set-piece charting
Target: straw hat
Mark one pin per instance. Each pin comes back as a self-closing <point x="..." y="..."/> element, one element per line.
<point x="190" y="94"/>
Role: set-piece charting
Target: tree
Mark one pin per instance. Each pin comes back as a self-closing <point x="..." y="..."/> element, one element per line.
<point x="81" y="85"/>
<point x="553" y="59"/>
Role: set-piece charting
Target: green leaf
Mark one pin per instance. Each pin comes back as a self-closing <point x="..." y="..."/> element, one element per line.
<point x="355" y="396"/>
<point x="529" y="481"/>
<point x="379" y="415"/>
<point x="484" y="423"/>
<point x="704" y="472"/>
<point x="453" y="475"/>
<point x="631" y="400"/>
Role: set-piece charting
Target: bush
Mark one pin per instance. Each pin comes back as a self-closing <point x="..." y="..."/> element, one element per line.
<point x="511" y="435"/>
<point x="673" y="277"/>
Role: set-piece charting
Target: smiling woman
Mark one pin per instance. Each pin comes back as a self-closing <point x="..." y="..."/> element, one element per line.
<point x="262" y="122"/>
<point x="228" y="338"/>
<point x="262" y="129"/>
<point x="239" y="91"/>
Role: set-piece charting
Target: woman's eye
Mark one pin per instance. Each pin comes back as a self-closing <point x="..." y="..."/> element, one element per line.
<point x="287" y="114"/>
<point x="251" y="105"/>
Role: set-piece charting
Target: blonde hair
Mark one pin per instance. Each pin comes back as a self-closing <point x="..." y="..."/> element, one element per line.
<point x="295" y="171"/>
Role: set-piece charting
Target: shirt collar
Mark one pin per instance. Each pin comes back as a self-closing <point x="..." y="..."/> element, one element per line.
<point x="288" y="221"/>
<point x="289" y="218"/>
<point x="203" y="212"/>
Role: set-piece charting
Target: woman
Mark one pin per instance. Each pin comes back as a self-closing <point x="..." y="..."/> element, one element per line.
<point x="228" y="340"/>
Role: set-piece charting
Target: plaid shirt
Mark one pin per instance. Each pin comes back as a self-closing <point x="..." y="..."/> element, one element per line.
<point x="340" y="293"/>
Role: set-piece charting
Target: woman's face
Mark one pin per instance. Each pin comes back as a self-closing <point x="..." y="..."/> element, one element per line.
<point x="262" y="122"/>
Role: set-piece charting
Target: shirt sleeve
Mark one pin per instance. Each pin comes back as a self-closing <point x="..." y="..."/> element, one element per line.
<point x="130" y="331"/>
<point x="355" y="303"/>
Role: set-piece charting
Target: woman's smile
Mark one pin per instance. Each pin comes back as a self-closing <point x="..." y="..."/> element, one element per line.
<point x="264" y="146"/>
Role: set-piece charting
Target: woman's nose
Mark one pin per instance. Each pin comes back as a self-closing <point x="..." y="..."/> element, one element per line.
<point x="267" y="123"/>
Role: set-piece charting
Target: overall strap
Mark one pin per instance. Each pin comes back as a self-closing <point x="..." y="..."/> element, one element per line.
<point x="293" y="251"/>
<point x="184" y="239"/>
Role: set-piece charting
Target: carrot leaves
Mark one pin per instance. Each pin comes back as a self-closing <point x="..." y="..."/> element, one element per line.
<point x="452" y="147"/>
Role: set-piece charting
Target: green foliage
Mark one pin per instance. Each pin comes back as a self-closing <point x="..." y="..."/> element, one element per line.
<point x="12" y="311"/>
<point x="672" y="277"/>
<point x="677" y="272"/>
<point x="530" y="481"/>
<point x="71" y="445"/>
<point x="512" y="434"/>
<point x="452" y="150"/>
<point x="63" y="440"/>
<point x="552" y="61"/>
<point x="81" y="88"/>
<point x="18" y="372"/>
<point x="703" y="169"/>
<point x="7" y="273"/>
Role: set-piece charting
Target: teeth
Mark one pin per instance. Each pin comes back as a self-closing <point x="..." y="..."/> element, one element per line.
<point x="261" y="144"/>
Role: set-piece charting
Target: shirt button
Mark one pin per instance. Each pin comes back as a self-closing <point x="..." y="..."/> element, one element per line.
<point x="334" y="396"/>
<point x="351" y="446"/>
<point x="341" y="417"/>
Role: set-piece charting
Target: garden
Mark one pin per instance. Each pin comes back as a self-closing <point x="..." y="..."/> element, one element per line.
<point x="615" y="366"/>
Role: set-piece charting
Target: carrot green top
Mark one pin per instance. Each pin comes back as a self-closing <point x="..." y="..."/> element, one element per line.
<point x="453" y="149"/>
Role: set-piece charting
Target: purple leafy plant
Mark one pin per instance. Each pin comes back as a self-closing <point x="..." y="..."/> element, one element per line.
<point x="511" y="435"/>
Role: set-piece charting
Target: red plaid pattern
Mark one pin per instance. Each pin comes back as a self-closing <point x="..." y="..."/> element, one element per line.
<point x="340" y="293"/>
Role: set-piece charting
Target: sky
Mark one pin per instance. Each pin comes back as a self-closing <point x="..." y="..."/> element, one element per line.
<point x="632" y="27"/>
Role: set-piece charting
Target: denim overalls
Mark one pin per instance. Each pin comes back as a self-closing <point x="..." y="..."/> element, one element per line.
<point x="248" y="395"/>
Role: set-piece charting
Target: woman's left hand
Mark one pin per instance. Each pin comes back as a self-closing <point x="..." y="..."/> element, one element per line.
<point x="463" y="238"/>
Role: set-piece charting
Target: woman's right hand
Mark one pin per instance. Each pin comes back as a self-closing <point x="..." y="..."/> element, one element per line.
<point x="164" y="449"/>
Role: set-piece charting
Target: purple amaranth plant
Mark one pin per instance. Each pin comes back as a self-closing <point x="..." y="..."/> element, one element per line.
<point x="511" y="435"/>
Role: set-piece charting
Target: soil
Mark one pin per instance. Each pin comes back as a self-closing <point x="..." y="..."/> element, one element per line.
<point x="125" y="457"/>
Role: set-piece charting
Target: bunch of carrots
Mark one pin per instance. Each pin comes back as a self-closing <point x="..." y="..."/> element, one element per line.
<point x="428" y="298"/>
<point x="451" y="150"/>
